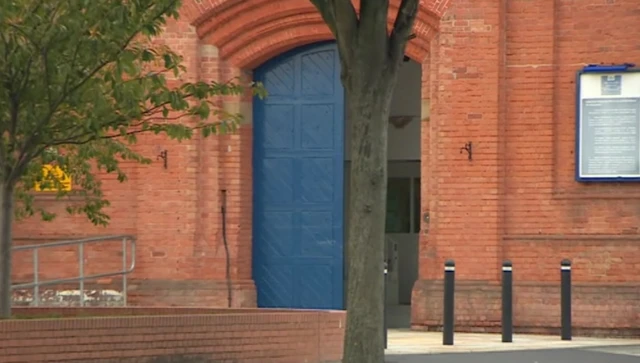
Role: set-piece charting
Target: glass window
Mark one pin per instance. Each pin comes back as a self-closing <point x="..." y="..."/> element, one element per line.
<point x="398" y="219"/>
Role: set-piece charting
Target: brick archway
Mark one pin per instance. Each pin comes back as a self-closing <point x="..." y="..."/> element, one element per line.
<point x="249" y="32"/>
<point x="232" y="38"/>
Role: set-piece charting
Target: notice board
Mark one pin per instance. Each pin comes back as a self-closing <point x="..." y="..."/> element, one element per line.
<point x="608" y="124"/>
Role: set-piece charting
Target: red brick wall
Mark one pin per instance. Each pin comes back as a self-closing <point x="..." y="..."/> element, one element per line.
<point x="175" y="212"/>
<point x="190" y="335"/>
<point x="503" y="76"/>
<point x="499" y="74"/>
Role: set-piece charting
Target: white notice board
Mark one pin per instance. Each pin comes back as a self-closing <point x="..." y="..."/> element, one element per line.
<point x="608" y="124"/>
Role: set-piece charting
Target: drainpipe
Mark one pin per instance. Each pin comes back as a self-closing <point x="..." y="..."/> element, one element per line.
<point x="223" y="210"/>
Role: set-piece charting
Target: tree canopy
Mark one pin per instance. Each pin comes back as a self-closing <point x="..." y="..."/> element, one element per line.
<point x="79" y="81"/>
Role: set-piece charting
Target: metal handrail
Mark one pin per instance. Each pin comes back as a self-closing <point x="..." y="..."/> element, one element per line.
<point x="126" y="268"/>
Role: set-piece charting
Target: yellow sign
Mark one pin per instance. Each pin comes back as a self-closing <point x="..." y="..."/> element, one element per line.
<point x="52" y="173"/>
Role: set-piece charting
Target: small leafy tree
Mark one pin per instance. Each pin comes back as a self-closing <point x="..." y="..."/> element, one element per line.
<point x="79" y="79"/>
<point x="370" y="55"/>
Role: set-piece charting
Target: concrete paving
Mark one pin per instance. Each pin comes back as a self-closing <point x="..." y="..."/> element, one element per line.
<point x="407" y="342"/>
<point x="406" y="346"/>
<point x="569" y="355"/>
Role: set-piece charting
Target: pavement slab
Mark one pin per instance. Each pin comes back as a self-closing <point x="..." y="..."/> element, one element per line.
<point x="568" y="355"/>
<point x="407" y="342"/>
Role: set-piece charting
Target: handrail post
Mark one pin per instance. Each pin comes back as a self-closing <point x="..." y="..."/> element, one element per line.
<point x="124" y="271"/>
<point x="36" y="282"/>
<point x="81" y="272"/>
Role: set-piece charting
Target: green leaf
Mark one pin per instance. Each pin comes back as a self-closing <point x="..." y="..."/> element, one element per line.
<point x="147" y="55"/>
<point x="88" y="80"/>
<point x="168" y="61"/>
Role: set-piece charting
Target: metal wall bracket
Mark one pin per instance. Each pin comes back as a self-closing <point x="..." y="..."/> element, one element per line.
<point x="468" y="147"/>
<point x="163" y="155"/>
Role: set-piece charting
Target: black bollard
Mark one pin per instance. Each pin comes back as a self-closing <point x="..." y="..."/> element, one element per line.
<point x="449" y="288"/>
<point x="384" y="307"/>
<point x="507" y="302"/>
<point x="565" y="300"/>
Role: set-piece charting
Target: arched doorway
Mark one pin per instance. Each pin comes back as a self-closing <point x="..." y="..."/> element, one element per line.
<point x="298" y="176"/>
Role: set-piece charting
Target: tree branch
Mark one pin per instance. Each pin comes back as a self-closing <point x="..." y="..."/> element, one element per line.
<point x="402" y="28"/>
<point x="29" y="142"/>
<point x="341" y="17"/>
<point x="15" y="98"/>
<point x="147" y="75"/>
<point x="3" y="158"/>
<point x="119" y="120"/>
<point x="373" y="19"/>
<point x="78" y="139"/>
<point x="47" y="77"/>
<point x="48" y="24"/>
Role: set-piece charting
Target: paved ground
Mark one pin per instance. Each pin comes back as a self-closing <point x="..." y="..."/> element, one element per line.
<point x="407" y="346"/>
<point x="415" y="342"/>
<point x="570" y="355"/>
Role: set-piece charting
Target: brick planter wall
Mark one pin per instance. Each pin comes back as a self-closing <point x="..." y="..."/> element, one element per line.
<point x="176" y="335"/>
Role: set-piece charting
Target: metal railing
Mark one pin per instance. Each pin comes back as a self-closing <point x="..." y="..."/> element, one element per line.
<point x="81" y="278"/>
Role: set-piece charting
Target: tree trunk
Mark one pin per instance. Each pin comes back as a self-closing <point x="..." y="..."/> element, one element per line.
<point x="370" y="57"/>
<point x="6" y="221"/>
<point x="368" y="105"/>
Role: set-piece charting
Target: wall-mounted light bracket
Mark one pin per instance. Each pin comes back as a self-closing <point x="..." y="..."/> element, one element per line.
<point x="469" y="149"/>
<point x="165" y="158"/>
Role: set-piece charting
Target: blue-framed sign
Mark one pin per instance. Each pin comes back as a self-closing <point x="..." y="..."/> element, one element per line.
<point x="608" y="123"/>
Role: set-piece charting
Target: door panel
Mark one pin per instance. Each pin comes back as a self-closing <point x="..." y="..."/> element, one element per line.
<point x="298" y="181"/>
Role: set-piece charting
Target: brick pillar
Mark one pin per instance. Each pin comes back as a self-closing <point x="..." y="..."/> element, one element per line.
<point x="167" y="200"/>
<point x="182" y="252"/>
<point x="426" y="257"/>
<point x="464" y="197"/>
<point x="236" y="176"/>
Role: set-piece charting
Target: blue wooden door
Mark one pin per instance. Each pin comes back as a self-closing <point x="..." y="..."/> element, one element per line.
<point x="298" y="181"/>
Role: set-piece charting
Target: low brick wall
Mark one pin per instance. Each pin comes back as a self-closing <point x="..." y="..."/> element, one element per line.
<point x="606" y="310"/>
<point x="176" y="335"/>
